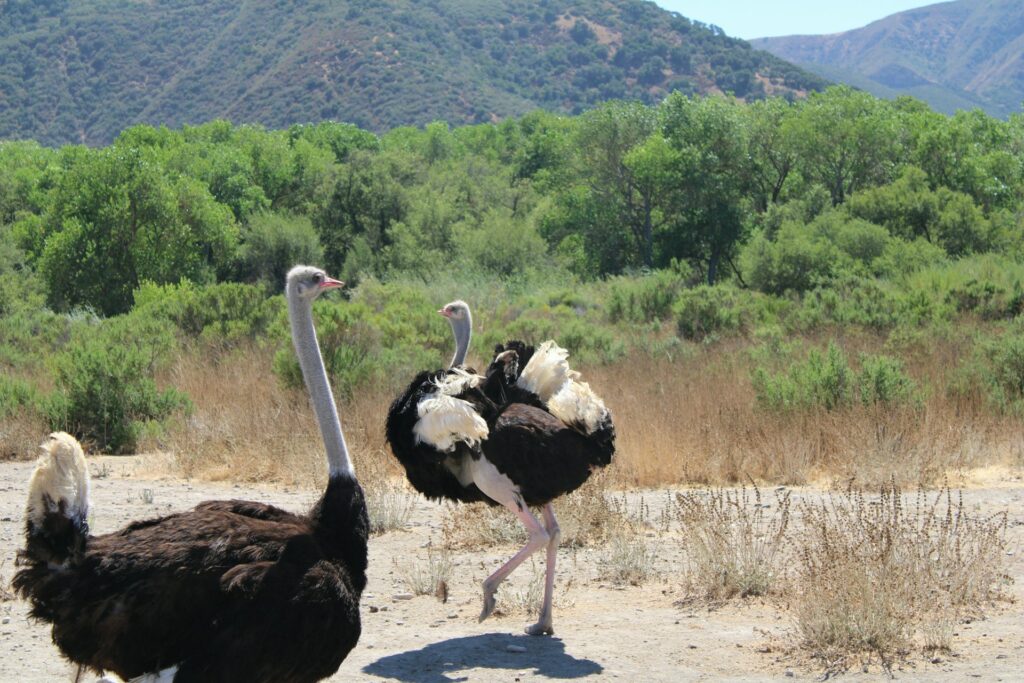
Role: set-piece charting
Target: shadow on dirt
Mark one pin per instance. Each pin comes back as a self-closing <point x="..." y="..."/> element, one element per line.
<point x="432" y="664"/>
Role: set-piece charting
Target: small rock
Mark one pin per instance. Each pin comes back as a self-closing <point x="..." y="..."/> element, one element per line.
<point x="374" y="609"/>
<point x="399" y="623"/>
<point x="789" y="673"/>
<point x="453" y="615"/>
<point x="692" y="646"/>
<point x="1000" y="656"/>
<point x="6" y="620"/>
<point x="402" y="596"/>
<point x="515" y="648"/>
<point x="936" y="660"/>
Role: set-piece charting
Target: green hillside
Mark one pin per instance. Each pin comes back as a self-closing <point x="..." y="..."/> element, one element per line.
<point x="953" y="55"/>
<point x="75" y="71"/>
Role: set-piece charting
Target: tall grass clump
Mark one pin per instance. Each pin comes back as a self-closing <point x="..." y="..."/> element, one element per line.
<point x="735" y="542"/>
<point x="881" y="575"/>
<point x="647" y="298"/>
<point x="822" y="380"/>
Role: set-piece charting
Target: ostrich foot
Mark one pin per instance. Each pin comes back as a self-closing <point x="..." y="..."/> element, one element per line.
<point x="489" y="601"/>
<point x="540" y="629"/>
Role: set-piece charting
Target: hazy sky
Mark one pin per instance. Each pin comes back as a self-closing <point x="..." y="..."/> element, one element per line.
<point x="760" y="18"/>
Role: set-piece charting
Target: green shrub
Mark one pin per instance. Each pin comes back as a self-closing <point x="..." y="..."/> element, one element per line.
<point x="647" y="298"/>
<point x="706" y="310"/>
<point x="220" y="313"/>
<point x="819" y="381"/>
<point x="987" y="299"/>
<point x="15" y="394"/>
<point x="881" y="380"/>
<point x="105" y="391"/>
<point x="1004" y="371"/>
<point x="797" y="260"/>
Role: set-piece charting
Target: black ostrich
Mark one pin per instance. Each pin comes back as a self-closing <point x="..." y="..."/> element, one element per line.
<point x="229" y="591"/>
<point x="521" y="436"/>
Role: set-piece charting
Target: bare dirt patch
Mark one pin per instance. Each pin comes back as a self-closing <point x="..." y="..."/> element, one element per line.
<point x="605" y="630"/>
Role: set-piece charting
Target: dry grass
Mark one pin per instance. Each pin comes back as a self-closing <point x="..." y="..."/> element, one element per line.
<point x="527" y="598"/>
<point x="247" y="427"/>
<point x="734" y="542"/>
<point x="389" y="506"/>
<point x="429" y="577"/>
<point x="20" y="435"/>
<point x="689" y="420"/>
<point x="881" y="575"/>
<point x="697" y="421"/>
<point x="628" y="559"/>
<point x="6" y="594"/>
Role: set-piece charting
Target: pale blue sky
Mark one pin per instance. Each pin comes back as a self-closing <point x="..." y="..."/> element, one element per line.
<point x="761" y="18"/>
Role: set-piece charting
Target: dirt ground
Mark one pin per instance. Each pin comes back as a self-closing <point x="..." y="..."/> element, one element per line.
<point x="603" y="632"/>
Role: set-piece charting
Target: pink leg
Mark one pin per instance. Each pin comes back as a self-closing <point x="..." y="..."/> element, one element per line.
<point x="538" y="539"/>
<point x="544" y="625"/>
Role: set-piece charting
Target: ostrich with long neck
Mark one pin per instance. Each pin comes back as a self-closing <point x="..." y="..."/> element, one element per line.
<point x="229" y="591"/>
<point x="521" y="436"/>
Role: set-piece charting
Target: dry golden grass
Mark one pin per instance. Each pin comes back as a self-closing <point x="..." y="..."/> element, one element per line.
<point x="430" y="576"/>
<point x="20" y="435"/>
<point x="697" y="421"/>
<point x="735" y="542"/>
<point x="686" y="421"/>
<point x="881" y="575"/>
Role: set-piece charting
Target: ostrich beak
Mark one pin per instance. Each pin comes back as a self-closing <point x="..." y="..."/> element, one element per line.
<point x="445" y="312"/>
<point x="331" y="283"/>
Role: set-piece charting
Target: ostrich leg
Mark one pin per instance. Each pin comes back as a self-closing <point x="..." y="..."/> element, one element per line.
<point x="500" y="488"/>
<point x="543" y="625"/>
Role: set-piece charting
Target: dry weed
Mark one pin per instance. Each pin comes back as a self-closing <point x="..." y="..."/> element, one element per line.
<point x="628" y="559"/>
<point x="21" y="434"/>
<point x="527" y="599"/>
<point x="6" y="594"/>
<point x="430" y="577"/>
<point x="389" y="507"/>
<point x="481" y="526"/>
<point x="735" y="543"/>
<point x="881" y="575"/>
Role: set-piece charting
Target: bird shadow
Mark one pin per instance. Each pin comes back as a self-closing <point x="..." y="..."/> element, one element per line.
<point x="431" y="664"/>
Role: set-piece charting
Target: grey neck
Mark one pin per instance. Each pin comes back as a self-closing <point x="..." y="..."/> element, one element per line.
<point x="462" y="328"/>
<point x="300" y="314"/>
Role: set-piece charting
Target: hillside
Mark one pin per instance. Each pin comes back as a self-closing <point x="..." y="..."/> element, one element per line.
<point x="76" y="71"/>
<point x="954" y="55"/>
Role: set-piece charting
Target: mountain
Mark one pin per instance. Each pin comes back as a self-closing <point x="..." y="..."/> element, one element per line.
<point x="82" y="70"/>
<point x="953" y="55"/>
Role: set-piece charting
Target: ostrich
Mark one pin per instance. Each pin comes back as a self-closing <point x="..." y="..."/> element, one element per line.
<point x="514" y="438"/>
<point x="229" y="591"/>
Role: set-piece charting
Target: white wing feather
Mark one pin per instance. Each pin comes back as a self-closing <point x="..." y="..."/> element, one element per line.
<point x="446" y="420"/>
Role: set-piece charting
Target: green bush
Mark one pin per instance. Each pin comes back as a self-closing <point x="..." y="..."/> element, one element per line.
<point x="707" y="311"/>
<point x="987" y="299"/>
<point x="797" y="260"/>
<point x="15" y="394"/>
<point x="881" y="380"/>
<point x="820" y="381"/>
<point x="221" y="313"/>
<point x="647" y="298"/>
<point x="1004" y="371"/>
<point x="105" y="390"/>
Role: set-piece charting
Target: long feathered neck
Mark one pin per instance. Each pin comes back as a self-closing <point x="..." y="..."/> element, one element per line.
<point x="300" y="314"/>
<point x="462" y="328"/>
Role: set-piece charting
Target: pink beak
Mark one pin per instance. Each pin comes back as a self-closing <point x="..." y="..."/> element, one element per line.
<point x="445" y="312"/>
<point x="331" y="283"/>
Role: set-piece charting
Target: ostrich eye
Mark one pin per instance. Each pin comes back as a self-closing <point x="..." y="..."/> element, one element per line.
<point x="318" y="278"/>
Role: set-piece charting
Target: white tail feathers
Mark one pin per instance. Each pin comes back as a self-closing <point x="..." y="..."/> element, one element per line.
<point x="61" y="474"/>
<point x="547" y="372"/>
<point x="576" y="403"/>
<point x="456" y="381"/>
<point x="446" y="420"/>
<point x="548" y="375"/>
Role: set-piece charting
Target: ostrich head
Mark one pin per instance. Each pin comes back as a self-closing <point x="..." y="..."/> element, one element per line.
<point x="308" y="282"/>
<point x="461" y="321"/>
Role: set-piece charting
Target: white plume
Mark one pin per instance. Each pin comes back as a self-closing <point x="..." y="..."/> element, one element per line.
<point x="446" y="420"/>
<point x="576" y="403"/>
<point x="547" y="372"/>
<point x="61" y="474"/>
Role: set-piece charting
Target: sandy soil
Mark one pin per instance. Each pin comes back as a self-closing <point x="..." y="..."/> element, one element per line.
<point x="603" y="632"/>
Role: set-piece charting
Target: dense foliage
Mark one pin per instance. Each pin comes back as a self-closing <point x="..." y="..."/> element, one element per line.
<point x="80" y="72"/>
<point x="626" y="229"/>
